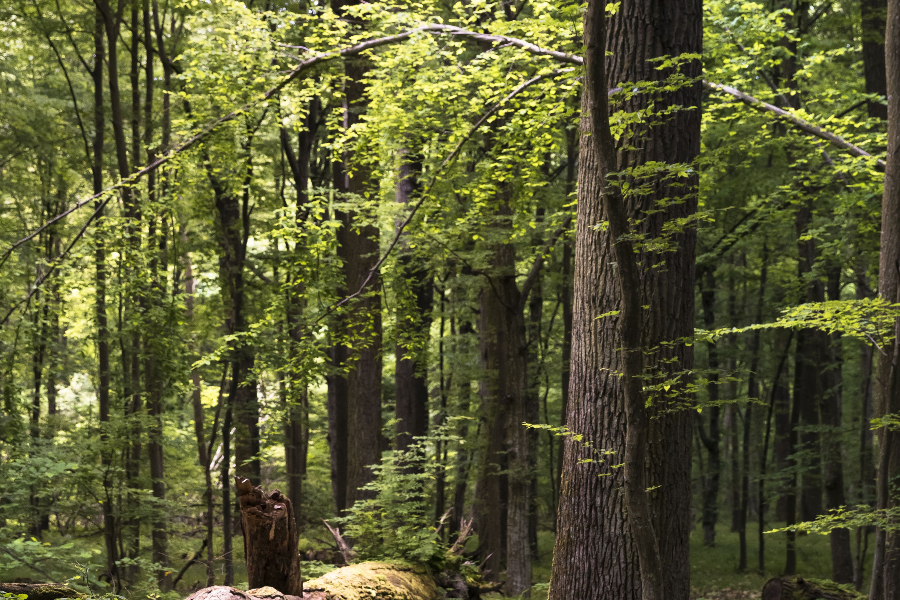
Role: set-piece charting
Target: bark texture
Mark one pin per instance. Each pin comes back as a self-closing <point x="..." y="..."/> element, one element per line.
<point x="886" y="571"/>
<point x="358" y="249"/>
<point x="270" y="539"/>
<point x="595" y="555"/>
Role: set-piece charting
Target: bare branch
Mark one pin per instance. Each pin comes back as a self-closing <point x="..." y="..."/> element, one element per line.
<point x="793" y="119"/>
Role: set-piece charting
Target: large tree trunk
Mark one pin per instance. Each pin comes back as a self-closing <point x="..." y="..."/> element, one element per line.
<point x="596" y="554"/>
<point x="270" y="539"/>
<point x="358" y="250"/>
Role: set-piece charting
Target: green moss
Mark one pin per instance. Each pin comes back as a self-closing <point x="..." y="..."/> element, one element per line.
<point x="827" y="585"/>
<point x="376" y="581"/>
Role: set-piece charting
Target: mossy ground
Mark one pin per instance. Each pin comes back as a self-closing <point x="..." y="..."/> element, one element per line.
<point x="714" y="573"/>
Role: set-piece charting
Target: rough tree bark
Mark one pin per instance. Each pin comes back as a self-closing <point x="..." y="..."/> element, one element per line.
<point x="596" y="551"/>
<point x="270" y="539"/>
<point x="358" y="251"/>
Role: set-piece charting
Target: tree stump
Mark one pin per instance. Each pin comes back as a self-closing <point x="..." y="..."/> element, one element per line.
<point x="270" y="539"/>
<point x="787" y="588"/>
<point x="40" y="591"/>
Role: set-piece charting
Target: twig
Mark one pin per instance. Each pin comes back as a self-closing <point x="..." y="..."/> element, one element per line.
<point x="346" y="551"/>
<point x="188" y="564"/>
<point x="465" y="530"/>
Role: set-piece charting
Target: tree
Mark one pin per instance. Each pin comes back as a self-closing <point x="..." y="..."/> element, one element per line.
<point x="597" y="554"/>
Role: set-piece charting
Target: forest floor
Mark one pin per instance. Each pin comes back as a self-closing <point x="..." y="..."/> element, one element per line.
<point x="714" y="572"/>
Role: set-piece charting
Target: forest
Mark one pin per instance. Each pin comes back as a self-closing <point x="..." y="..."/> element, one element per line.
<point x="424" y="299"/>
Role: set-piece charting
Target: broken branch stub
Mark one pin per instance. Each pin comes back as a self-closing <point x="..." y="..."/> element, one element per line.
<point x="270" y="539"/>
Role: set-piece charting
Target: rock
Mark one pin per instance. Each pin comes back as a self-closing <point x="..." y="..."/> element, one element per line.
<point x="365" y="581"/>
<point x="220" y="592"/>
<point x="374" y="581"/>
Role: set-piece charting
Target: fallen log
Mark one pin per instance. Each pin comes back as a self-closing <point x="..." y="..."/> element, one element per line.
<point x="40" y="591"/>
<point x="788" y="588"/>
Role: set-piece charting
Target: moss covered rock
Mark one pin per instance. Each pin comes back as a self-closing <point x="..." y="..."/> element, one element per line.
<point x="40" y="591"/>
<point x="374" y="581"/>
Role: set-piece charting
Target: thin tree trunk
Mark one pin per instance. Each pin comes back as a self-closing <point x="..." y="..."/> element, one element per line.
<point x="888" y="375"/>
<point x="534" y="357"/>
<point x="779" y="389"/>
<point x="841" y="555"/>
<point x="808" y="386"/>
<point x="752" y="396"/>
<point x="227" y="522"/>
<point x="711" y="440"/>
<point x="415" y="291"/>
<point x="296" y="425"/>
<point x="791" y="500"/>
<point x="109" y="523"/>
<point x="203" y="455"/>
<point x="463" y="457"/>
<point x="866" y="468"/>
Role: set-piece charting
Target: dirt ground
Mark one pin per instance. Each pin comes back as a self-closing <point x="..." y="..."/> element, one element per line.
<point x="725" y="595"/>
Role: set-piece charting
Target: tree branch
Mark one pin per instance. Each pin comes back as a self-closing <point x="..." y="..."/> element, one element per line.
<point x="393" y="39"/>
<point x="794" y="120"/>
<point x="535" y="271"/>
